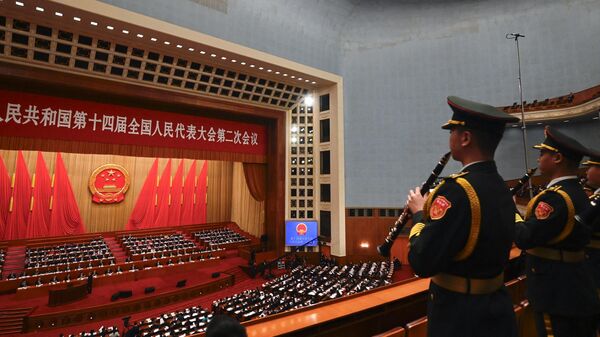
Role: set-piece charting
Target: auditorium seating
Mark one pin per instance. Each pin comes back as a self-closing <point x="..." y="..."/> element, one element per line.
<point x="180" y="323"/>
<point x="139" y="247"/>
<point x="219" y="237"/>
<point x="67" y="254"/>
<point x="302" y="287"/>
<point x="111" y="331"/>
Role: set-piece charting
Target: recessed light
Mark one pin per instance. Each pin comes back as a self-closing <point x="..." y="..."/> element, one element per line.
<point x="293" y="76"/>
<point x="153" y="39"/>
<point x="191" y="49"/>
<point x="19" y="3"/>
<point x="202" y="52"/>
<point x="110" y="27"/>
<point x="233" y="61"/>
<point x="252" y="66"/>
<point x="313" y="82"/>
<point x="140" y="35"/>
<point x="269" y="70"/>
<point x="306" y="80"/>
<point x="243" y="63"/>
<point x="284" y="75"/>
<point x="94" y="23"/>
<point x="76" y="18"/>
<point x="299" y="78"/>
<point x="260" y="68"/>
<point x="277" y="73"/>
<point x="39" y="9"/>
<point x="223" y="58"/>
<point x="125" y="31"/>
<point x="167" y="43"/>
<point x="213" y="55"/>
<point x="58" y="14"/>
<point x="179" y="46"/>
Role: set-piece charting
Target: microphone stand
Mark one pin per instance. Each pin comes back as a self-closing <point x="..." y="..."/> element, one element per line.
<point x="516" y="37"/>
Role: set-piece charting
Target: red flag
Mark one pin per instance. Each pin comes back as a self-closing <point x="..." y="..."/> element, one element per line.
<point x="19" y="202"/>
<point x="200" y="206"/>
<point x="189" y="190"/>
<point x="162" y="198"/>
<point x="4" y="197"/>
<point x="175" y="202"/>
<point x="39" y="218"/>
<point x="64" y="218"/>
<point x="142" y="215"/>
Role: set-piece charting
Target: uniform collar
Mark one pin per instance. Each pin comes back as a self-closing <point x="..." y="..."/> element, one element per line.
<point x="482" y="164"/>
<point x="559" y="179"/>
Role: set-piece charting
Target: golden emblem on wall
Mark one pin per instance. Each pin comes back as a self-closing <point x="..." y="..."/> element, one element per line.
<point x="108" y="184"/>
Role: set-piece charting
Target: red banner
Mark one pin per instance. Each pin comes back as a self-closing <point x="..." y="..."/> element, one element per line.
<point x="40" y="116"/>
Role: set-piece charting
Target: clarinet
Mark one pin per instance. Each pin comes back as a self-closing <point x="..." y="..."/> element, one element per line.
<point x="515" y="189"/>
<point x="384" y="249"/>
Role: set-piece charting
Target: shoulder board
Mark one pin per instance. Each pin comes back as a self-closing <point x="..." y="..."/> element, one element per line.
<point x="456" y="175"/>
<point x="554" y="188"/>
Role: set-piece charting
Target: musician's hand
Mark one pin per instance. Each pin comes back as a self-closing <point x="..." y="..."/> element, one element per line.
<point x="415" y="200"/>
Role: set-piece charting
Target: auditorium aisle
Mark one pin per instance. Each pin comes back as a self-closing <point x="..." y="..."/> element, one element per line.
<point x="116" y="249"/>
<point x="14" y="261"/>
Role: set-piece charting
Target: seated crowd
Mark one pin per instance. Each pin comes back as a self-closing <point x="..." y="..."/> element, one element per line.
<point x="219" y="236"/>
<point x="303" y="286"/>
<point x="67" y="253"/>
<point x="2" y="258"/>
<point x="143" y="245"/>
<point x="111" y="331"/>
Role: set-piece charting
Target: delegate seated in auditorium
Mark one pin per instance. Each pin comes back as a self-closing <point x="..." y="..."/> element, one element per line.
<point x="463" y="231"/>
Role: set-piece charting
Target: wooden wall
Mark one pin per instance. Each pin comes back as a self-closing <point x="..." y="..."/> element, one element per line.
<point x="111" y="217"/>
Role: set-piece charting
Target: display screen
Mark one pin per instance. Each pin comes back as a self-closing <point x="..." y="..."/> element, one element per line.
<point x="297" y="233"/>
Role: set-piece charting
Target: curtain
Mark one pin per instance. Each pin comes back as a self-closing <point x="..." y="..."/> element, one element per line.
<point x="19" y="202"/>
<point x="189" y="191"/>
<point x="246" y="211"/>
<point x="65" y="218"/>
<point x="142" y="215"/>
<point x="162" y="197"/>
<point x="4" y="197"/>
<point x="256" y="179"/>
<point x="176" y="197"/>
<point x="39" y="218"/>
<point x="200" y="206"/>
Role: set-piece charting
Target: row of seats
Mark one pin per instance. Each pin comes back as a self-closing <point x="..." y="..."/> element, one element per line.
<point x="219" y="236"/>
<point x="111" y="331"/>
<point x="67" y="253"/>
<point x="141" y="245"/>
<point x="189" y="321"/>
<point x="305" y="285"/>
<point x="62" y="268"/>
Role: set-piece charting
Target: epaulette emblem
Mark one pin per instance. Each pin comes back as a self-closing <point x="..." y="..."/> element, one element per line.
<point x="457" y="175"/>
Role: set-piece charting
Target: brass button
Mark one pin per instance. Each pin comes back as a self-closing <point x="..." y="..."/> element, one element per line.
<point x="533" y="270"/>
<point x="431" y="296"/>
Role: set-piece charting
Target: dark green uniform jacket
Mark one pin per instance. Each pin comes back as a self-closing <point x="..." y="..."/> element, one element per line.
<point x="556" y="287"/>
<point x="466" y="229"/>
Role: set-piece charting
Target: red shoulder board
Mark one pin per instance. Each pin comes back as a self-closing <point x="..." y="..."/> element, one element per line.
<point x="543" y="210"/>
<point x="439" y="207"/>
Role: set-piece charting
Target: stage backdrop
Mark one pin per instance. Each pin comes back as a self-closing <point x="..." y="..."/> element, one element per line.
<point x="228" y="197"/>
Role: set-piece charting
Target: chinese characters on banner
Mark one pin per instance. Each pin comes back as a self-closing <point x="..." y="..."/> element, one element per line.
<point x="40" y="116"/>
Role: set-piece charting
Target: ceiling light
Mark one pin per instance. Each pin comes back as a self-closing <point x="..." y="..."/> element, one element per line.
<point x="76" y="18"/>
<point x="299" y="78"/>
<point x="260" y="68"/>
<point x="313" y="82"/>
<point x="252" y="66"/>
<point x="58" y="14"/>
<point x="94" y="23"/>
<point x="233" y="61"/>
<point x="39" y="9"/>
<point x="110" y="27"/>
<point x="294" y="139"/>
<point x="306" y="80"/>
<point x="269" y="70"/>
<point x="566" y="121"/>
<point x="125" y="31"/>
<point x="191" y="49"/>
<point x="140" y="35"/>
<point x="285" y="75"/>
<point x="179" y="46"/>
<point x="364" y="245"/>
<point x="153" y="39"/>
<point x="309" y="100"/>
<point x="213" y="55"/>
<point x="277" y="73"/>
<point x="294" y="128"/>
<point x="293" y="76"/>
<point x="202" y="52"/>
<point x="243" y="63"/>
<point x="19" y="3"/>
<point x="223" y="58"/>
<point x="167" y="43"/>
